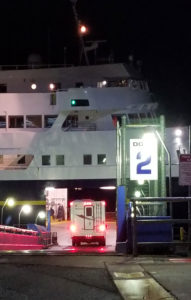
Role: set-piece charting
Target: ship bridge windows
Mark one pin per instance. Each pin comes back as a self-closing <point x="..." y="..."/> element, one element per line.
<point x="33" y="121"/>
<point x="71" y="121"/>
<point x="124" y="82"/>
<point x="79" y="102"/>
<point x="16" y="122"/>
<point x="49" y="120"/>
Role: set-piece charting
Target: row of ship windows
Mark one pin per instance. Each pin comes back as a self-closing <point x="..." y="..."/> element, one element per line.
<point x="87" y="159"/>
<point x="34" y="121"/>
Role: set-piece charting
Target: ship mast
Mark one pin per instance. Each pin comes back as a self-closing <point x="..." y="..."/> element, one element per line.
<point x="81" y="40"/>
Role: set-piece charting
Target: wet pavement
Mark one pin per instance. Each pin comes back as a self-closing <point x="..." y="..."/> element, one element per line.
<point x="91" y="272"/>
<point x="45" y="275"/>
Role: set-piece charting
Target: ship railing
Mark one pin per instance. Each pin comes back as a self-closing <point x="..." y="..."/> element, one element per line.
<point x="82" y="126"/>
<point x="34" y="66"/>
<point x="183" y="224"/>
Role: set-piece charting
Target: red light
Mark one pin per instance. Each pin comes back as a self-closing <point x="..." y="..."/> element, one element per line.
<point x="103" y="203"/>
<point x="88" y="236"/>
<point x="102" y="227"/>
<point x="87" y="203"/>
<point x="101" y="249"/>
<point x="73" y="228"/>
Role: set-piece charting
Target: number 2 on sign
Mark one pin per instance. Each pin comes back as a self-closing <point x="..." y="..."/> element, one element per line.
<point x="143" y="164"/>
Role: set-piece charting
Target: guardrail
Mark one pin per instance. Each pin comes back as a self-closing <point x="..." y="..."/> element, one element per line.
<point x="155" y="219"/>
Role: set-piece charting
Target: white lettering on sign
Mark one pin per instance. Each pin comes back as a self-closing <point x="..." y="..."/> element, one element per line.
<point x="143" y="159"/>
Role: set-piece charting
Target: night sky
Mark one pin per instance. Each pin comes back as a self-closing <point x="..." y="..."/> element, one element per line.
<point x="156" y="32"/>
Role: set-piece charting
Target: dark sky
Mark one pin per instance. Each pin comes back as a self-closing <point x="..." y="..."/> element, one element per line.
<point x="156" y="32"/>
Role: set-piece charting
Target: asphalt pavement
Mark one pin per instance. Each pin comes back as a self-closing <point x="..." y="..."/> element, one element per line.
<point x="91" y="272"/>
<point x="51" y="275"/>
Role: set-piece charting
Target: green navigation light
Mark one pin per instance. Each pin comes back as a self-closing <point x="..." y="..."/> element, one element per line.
<point x="73" y="102"/>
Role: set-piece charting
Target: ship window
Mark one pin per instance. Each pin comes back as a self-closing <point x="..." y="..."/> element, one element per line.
<point x="79" y="102"/>
<point x="2" y="122"/>
<point x="46" y="160"/>
<point x="1" y="159"/>
<point x="79" y="84"/>
<point x="87" y="159"/>
<point x="3" y="88"/>
<point x="16" y="121"/>
<point x="101" y="159"/>
<point x="59" y="160"/>
<point x="21" y="159"/>
<point x="53" y="99"/>
<point x="33" y="121"/>
<point x="49" y="121"/>
<point x="117" y="118"/>
<point x="71" y="121"/>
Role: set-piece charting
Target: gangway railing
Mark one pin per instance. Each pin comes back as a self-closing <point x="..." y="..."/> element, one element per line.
<point x="136" y="219"/>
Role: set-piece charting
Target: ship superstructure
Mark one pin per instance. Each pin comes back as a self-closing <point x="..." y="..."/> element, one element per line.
<point x="66" y="135"/>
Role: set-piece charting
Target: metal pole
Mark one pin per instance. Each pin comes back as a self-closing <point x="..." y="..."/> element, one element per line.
<point x="20" y="216"/>
<point x="189" y="217"/>
<point x="134" y="229"/>
<point x="118" y="158"/>
<point x="169" y="162"/>
<point x="2" y="212"/>
<point x="123" y="156"/>
<point x="163" y="168"/>
<point x="189" y="147"/>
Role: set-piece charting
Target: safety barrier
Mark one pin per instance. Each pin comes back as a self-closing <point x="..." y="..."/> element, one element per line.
<point x="16" y="230"/>
<point x="11" y="236"/>
<point x="48" y="238"/>
<point x="140" y="220"/>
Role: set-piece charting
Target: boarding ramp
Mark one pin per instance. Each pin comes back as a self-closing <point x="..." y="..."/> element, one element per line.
<point x="13" y="238"/>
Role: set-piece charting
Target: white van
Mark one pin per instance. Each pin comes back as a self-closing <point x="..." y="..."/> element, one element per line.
<point x="87" y="221"/>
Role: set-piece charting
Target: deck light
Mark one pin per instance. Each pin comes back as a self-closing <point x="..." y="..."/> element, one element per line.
<point x="52" y="86"/>
<point x="33" y="86"/>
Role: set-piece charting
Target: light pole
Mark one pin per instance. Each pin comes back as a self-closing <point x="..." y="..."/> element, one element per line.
<point x="10" y="202"/>
<point x="41" y="215"/>
<point x="26" y="209"/>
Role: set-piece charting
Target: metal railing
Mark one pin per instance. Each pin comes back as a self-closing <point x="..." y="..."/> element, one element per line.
<point x="156" y="219"/>
<point x="48" y="238"/>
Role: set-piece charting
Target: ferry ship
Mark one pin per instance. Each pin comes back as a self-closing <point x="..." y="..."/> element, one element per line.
<point x="58" y="128"/>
